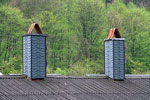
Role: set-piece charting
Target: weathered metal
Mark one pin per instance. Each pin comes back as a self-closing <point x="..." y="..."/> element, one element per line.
<point x="112" y="32"/>
<point x="74" y="88"/>
<point x="37" y="28"/>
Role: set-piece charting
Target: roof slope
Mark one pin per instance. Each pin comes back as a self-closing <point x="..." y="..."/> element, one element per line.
<point x="74" y="88"/>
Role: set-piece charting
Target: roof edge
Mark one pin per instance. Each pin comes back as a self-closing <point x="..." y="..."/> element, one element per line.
<point x="87" y="76"/>
<point x="136" y="76"/>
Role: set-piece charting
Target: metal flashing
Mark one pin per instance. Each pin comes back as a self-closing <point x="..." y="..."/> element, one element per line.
<point x="34" y="34"/>
<point x="114" y="39"/>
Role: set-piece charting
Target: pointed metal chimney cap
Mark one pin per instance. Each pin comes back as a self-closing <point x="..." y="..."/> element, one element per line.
<point x="112" y="32"/>
<point x="37" y="28"/>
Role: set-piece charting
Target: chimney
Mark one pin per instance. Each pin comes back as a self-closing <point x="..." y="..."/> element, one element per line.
<point x="114" y="53"/>
<point x="34" y="53"/>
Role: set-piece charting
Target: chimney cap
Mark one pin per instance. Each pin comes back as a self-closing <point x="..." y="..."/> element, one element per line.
<point x="37" y="28"/>
<point x="112" y="32"/>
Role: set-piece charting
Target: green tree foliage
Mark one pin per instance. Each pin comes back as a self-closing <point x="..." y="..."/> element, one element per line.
<point x="134" y="25"/>
<point x="4" y="2"/>
<point x="75" y="31"/>
<point x="9" y="66"/>
<point x="12" y="25"/>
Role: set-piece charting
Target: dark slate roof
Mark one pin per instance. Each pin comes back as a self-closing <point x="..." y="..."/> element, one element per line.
<point x="75" y="88"/>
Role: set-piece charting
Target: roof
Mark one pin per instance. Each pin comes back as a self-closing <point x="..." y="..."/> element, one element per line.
<point x="134" y="87"/>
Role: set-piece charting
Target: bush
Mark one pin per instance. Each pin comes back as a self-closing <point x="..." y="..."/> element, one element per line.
<point x="80" y="69"/>
<point x="8" y="67"/>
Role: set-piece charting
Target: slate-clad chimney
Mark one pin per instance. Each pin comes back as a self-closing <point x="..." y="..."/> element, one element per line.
<point x="34" y="53"/>
<point x="114" y="49"/>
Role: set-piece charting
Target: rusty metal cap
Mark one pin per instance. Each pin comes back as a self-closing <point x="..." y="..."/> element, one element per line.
<point x="112" y="32"/>
<point x="37" y="28"/>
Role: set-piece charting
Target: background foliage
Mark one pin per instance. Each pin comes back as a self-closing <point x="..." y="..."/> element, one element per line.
<point x="75" y="30"/>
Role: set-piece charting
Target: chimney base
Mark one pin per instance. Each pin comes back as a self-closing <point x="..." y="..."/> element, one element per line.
<point x="38" y="79"/>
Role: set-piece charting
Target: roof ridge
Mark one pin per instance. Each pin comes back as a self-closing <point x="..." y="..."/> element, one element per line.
<point x="88" y="76"/>
<point x="12" y="77"/>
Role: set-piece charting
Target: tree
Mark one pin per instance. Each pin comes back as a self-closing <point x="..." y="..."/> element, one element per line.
<point x="133" y="24"/>
<point x="12" y="26"/>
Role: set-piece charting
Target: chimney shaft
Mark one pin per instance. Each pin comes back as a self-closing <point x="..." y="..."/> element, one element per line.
<point x="34" y="56"/>
<point x="115" y="58"/>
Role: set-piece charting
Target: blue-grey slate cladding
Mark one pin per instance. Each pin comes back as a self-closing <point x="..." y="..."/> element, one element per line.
<point x="34" y="56"/>
<point x="115" y="58"/>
